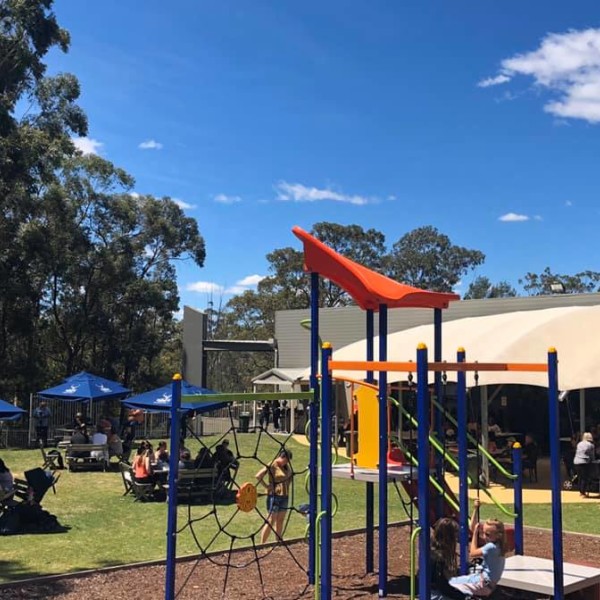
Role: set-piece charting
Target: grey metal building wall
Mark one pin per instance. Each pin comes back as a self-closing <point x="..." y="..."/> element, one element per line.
<point x="342" y="326"/>
<point x="194" y="333"/>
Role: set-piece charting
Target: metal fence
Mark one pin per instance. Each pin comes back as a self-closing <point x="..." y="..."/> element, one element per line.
<point x="21" y="434"/>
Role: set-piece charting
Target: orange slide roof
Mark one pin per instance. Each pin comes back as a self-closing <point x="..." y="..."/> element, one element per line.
<point x="368" y="288"/>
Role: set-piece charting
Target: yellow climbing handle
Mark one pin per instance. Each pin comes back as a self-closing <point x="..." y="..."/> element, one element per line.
<point x="413" y="562"/>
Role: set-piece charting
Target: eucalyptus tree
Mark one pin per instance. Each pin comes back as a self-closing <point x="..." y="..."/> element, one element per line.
<point x="482" y="287"/>
<point x="547" y="282"/>
<point x="38" y="116"/>
<point x="112" y="289"/>
<point x="428" y="259"/>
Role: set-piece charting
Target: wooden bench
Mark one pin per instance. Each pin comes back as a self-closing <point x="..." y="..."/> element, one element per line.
<point x="532" y="574"/>
<point x="196" y="485"/>
<point x="80" y="457"/>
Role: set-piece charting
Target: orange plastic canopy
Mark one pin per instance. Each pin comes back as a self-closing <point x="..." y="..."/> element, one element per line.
<point x="368" y="288"/>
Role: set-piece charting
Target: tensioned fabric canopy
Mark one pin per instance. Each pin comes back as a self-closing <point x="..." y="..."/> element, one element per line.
<point x="515" y="337"/>
<point x="85" y="387"/>
<point x="368" y="288"/>
<point x="159" y="400"/>
<point x="10" y="412"/>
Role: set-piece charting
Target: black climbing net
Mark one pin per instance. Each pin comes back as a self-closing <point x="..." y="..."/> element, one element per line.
<point x="219" y="516"/>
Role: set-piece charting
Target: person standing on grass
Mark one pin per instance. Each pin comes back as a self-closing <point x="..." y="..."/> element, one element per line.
<point x="584" y="455"/>
<point x="278" y="476"/>
<point x="42" y="416"/>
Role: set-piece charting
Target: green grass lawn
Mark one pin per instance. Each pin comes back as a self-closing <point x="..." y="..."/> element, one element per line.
<point x="109" y="529"/>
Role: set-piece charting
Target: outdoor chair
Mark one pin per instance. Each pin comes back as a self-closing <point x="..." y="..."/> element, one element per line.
<point x="127" y="476"/>
<point x="52" y="460"/>
<point x="143" y="492"/>
<point x="530" y="466"/>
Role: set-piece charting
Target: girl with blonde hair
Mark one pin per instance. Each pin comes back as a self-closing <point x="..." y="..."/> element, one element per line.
<point x="483" y="583"/>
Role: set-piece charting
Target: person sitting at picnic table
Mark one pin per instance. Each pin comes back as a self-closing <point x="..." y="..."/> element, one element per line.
<point x="80" y="436"/>
<point x="142" y="469"/>
<point x="493" y="426"/>
<point x="79" y="420"/>
<point x="225" y="461"/>
<point x="101" y="439"/>
<point x="105" y="425"/>
<point x="204" y="459"/>
<point x="162" y="456"/>
<point x="115" y="445"/>
<point x="185" y="460"/>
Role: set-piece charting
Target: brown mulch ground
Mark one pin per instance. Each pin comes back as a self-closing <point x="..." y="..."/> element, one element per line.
<point x="283" y="578"/>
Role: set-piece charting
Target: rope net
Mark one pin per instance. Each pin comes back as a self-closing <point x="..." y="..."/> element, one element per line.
<point x="233" y="516"/>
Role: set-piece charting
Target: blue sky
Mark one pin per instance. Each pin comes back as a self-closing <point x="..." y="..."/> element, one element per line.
<point x="479" y="118"/>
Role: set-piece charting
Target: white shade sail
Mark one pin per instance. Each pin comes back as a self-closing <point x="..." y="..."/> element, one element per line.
<point x="517" y="337"/>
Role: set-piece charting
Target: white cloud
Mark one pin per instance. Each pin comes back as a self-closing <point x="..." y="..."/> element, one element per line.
<point x="568" y="203"/>
<point x="241" y="286"/>
<point x="183" y="205"/>
<point x="134" y="195"/>
<point x="512" y="217"/>
<point x="566" y="64"/>
<point x="150" y="145"/>
<point x="493" y="80"/>
<point x="251" y="280"/>
<point x="225" y="199"/>
<point x="87" y="145"/>
<point x="538" y="218"/>
<point x="204" y="287"/>
<point x="234" y="290"/>
<point x="296" y="192"/>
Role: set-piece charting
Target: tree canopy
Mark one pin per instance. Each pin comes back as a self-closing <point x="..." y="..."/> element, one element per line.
<point x="87" y="268"/>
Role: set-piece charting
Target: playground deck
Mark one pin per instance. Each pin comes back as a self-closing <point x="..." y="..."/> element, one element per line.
<point x="395" y="473"/>
<point x="533" y="574"/>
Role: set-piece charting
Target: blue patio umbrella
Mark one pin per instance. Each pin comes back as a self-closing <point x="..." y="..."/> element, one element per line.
<point x="10" y="412"/>
<point x="159" y="400"/>
<point x="85" y="387"/>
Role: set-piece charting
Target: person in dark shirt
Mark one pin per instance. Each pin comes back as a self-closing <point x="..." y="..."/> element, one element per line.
<point x="204" y="459"/>
<point x="443" y="559"/>
<point x="80" y="436"/>
<point x="225" y="461"/>
<point x="265" y="416"/>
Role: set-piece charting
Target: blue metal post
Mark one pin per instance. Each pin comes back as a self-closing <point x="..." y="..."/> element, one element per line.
<point x="326" y="488"/>
<point x="369" y="486"/>
<point x="313" y="411"/>
<point x="438" y="421"/>
<point x="463" y="464"/>
<point x="557" y="542"/>
<point x="383" y="449"/>
<point x="173" y="476"/>
<point x="518" y="470"/>
<point x="423" y="471"/>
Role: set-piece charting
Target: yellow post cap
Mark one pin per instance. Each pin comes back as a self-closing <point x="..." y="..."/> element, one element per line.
<point x="421" y="346"/>
<point x="460" y="349"/>
<point x="177" y="377"/>
<point x="326" y="345"/>
<point x="517" y="446"/>
<point x="552" y="350"/>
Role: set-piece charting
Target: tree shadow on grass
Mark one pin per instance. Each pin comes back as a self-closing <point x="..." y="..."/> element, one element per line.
<point x="17" y="571"/>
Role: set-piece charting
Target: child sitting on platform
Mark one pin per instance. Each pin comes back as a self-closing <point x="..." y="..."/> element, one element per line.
<point x="482" y="582"/>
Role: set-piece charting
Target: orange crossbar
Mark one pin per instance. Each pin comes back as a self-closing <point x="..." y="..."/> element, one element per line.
<point x="377" y="365"/>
